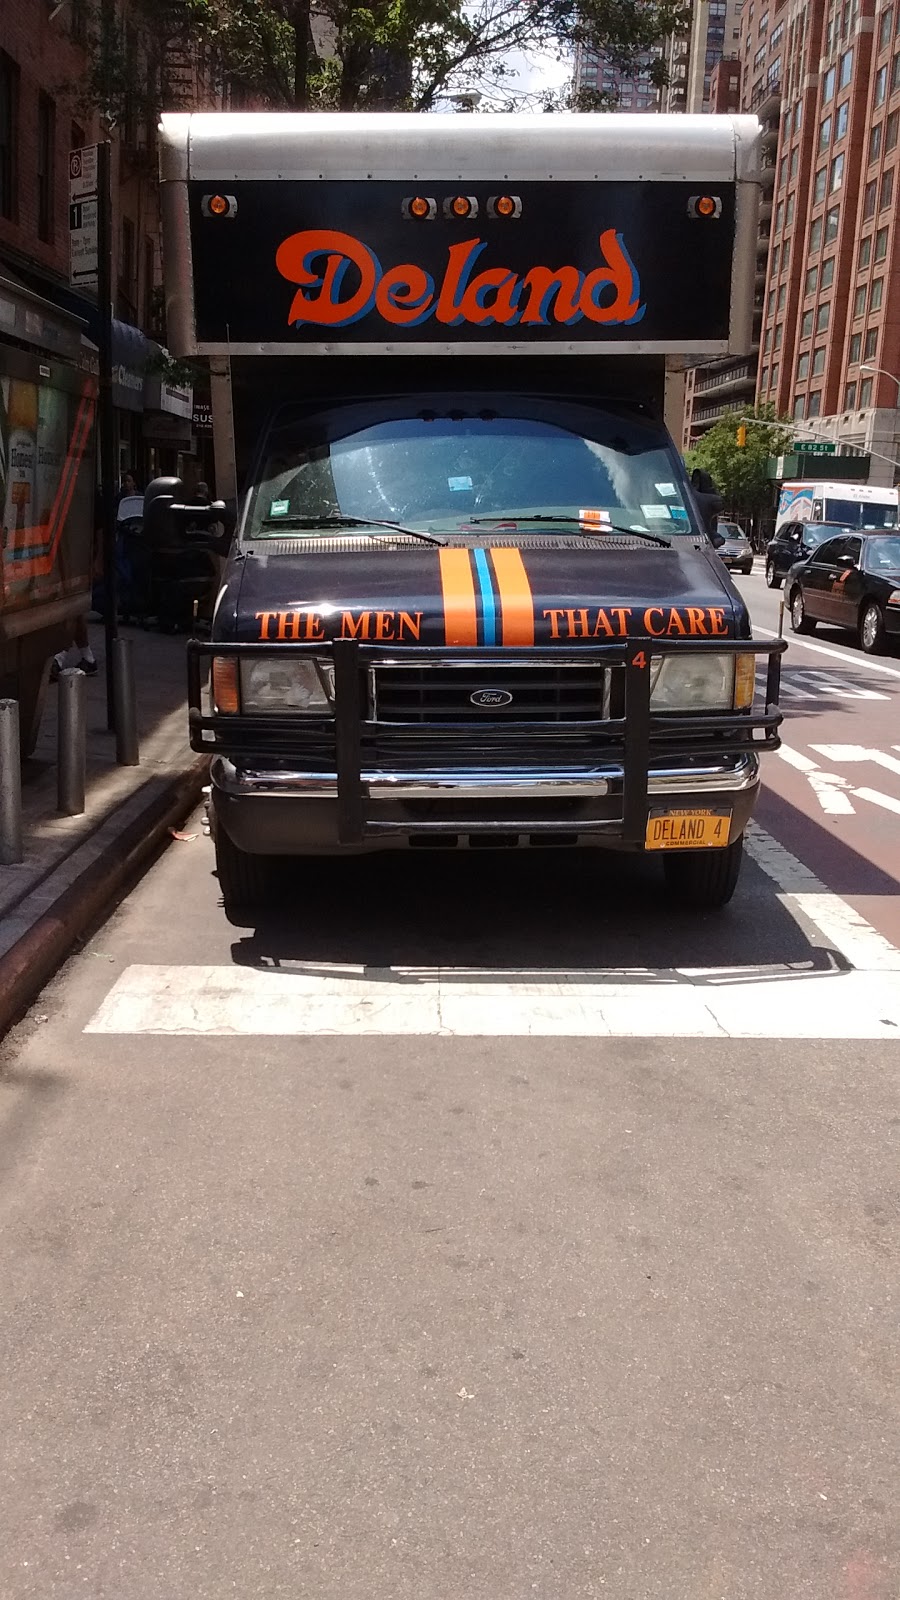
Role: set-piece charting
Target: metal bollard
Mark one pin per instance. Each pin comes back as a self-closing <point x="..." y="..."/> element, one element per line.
<point x="71" y="742"/>
<point x="11" y="851"/>
<point x="125" y="704"/>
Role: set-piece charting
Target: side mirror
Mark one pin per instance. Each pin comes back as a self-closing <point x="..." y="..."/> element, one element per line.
<point x="707" y="499"/>
<point x="717" y="538"/>
<point x="166" y="517"/>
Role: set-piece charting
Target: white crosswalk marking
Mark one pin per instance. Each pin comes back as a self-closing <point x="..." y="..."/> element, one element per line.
<point x="828" y="787"/>
<point x="856" y="752"/>
<point x="811" y="999"/>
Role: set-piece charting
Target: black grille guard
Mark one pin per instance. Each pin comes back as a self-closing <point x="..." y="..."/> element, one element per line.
<point x="633" y="740"/>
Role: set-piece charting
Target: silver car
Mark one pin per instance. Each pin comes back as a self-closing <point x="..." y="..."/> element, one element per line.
<point x="733" y="547"/>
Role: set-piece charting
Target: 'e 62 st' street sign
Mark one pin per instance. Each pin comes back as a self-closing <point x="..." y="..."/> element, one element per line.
<point x="83" y="217"/>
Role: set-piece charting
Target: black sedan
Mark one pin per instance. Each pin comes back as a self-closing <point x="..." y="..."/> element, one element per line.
<point x="852" y="581"/>
<point x="796" y="541"/>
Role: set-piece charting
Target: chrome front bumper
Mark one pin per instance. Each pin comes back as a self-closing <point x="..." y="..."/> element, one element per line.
<point x="732" y="774"/>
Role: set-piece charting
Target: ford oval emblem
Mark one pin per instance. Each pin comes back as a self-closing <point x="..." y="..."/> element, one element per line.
<point x="491" y="697"/>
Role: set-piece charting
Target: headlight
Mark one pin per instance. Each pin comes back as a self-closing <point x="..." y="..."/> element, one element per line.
<point x="270" y="683"/>
<point x="692" y="682"/>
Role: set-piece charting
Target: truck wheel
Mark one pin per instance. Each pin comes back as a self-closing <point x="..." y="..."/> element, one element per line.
<point x="871" y="628"/>
<point x="244" y="880"/>
<point x="704" y="880"/>
<point x="772" y="578"/>
<point x="800" y="622"/>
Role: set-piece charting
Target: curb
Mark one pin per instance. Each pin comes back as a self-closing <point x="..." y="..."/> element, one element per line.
<point x="33" y="959"/>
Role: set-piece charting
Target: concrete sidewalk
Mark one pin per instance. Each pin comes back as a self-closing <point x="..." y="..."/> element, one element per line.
<point x="74" y="866"/>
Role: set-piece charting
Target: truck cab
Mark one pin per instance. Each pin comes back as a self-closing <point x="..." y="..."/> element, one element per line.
<point x="471" y="600"/>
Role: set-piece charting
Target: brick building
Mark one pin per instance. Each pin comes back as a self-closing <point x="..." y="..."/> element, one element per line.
<point x="44" y="51"/>
<point x="693" y="55"/>
<point x="631" y="91"/>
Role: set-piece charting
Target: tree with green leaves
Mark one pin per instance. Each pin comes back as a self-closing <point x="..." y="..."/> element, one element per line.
<point x="740" y="470"/>
<point x="382" y="55"/>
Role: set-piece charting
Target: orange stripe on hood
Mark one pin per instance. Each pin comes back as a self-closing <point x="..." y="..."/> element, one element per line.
<point x="460" y="617"/>
<point x="516" y="600"/>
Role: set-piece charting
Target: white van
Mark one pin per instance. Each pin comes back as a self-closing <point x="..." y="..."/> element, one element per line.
<point x="853" y="505"/>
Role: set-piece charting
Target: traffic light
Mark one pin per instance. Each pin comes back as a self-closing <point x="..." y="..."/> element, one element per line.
<point x="741" y="434"/>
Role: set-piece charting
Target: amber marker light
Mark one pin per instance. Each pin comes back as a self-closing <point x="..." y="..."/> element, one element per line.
<point x="706" y="205"/>
<point x="505" y="206"/>
<point x="461" y="206"/>
<point x="744" y="682"/>
<point x="218" y="205"/>
<point x="419" y="207"/>
<point x="226" y="692"/>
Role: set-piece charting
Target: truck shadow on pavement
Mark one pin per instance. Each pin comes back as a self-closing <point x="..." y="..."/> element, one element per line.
<point x="528" y="915"/>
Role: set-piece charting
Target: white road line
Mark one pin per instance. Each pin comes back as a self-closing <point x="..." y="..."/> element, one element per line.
<point x="879" y="799"/>
<point x="811" y="998"/>
<point x="827" y="650"/>
<point x="857" y="752"/>
<point x="795" y="759"/>
<point x="828" y="787"/>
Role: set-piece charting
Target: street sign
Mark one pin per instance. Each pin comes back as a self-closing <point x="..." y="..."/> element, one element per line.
<point x="815" y="447"/>
<point x="83" y="217"/>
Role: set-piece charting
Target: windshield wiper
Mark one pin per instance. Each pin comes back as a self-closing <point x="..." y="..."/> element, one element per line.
<point x="348" y="522"/>
<point x="594" y="530"/>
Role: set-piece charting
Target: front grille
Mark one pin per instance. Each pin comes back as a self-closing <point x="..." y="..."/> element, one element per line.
<point x="539" y="693"/>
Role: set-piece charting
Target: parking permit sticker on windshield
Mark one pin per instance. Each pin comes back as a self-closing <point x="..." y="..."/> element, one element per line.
<point x="279" y="508"/>
<point x="594" y="516"/>
<point x="656" y="513"/>
<point x="666" y="490"/>
<point x="459" y="484"/>
<point x="678" y="514"/>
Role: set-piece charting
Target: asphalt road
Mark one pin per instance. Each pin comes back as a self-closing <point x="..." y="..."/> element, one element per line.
<point x="504" y="1245"/>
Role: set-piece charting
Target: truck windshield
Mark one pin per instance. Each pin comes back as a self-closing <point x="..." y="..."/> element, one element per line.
<point x="861" y="513"/>
<point x="437" y="471"/>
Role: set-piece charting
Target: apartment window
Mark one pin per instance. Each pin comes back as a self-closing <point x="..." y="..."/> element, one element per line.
<point x="850" y="397"/>
<point x="815" y="403"/>
<point x="822" y="316"/>
<point x="859" y="302"/>
<point x="875" y="142"/>
<point x="127" y="265"/>
<point x="775" y="253"/>
<point x="149" y="265"/>
<point x="770" y="303"/>
<point x="799" y="405"/>
<point x="806" y="325"/>
<point x="895" y="72"/>
<point x="865" y="393"/>
<point x="779" y="217"/>
<point x="782" y="172"/>
<point x="798" y="115"/>
<point x="9" y="128"/>
<point x="78" y="29"/>
<point x="763" y="22"/>
<point x="767" y="343"/>
<point x="827" y="273"/>
<point x="811" y="281"/>
<point x="795" y="161"/>
<point x="764" y="378"/>
<point x="869" y="200"/>
<point x="890" y="131"/>
<point x="887" y="190"/>
<point x="865" y="253"/>
<point x="832" y="218"/>
<point x="841" y="120"/>
<point x="789" y="210"/>
<point x="855" y="349"/>
<point x="779" y="329"/>
<point x="815" y="235"/>
<point x="774" y="378"/>
<point x="828" y="86"/>
<point x="760" y="56"/>
<point x="880" y="86"/>
<point x="818" y="365"/>
<point x="803" y="365"/>
<point x="877" y="295"/>
<point x="837" y="174"/>
<point x="884" y="33"/>
<point x="820" y="185"/>
<point x="846" y="69"/>
<point x="825" y="134"/>
<point x="46" y="140"/>
<point x="871" y="343"/>
<point x="782" y="293"/>
<point x="881" y="239"/>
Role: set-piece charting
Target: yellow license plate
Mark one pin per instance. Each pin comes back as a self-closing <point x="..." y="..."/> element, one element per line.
<point x="688" y="829"/>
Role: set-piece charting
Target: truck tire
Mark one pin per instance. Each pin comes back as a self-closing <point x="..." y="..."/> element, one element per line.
<point x="244" y="880"/>
<point x="772" y="579"/>
<point x="704" y="880"/>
